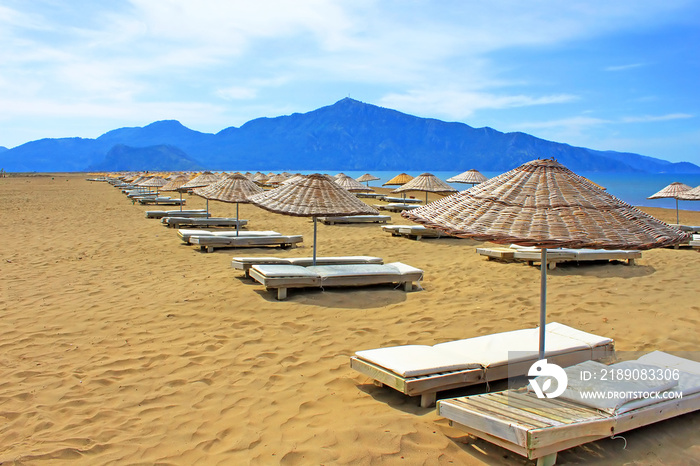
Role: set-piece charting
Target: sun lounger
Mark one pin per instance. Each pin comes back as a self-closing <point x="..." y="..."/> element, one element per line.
<point x="414" y="231"/>
<point x="407" y="200"/>
<point x="160" y="201"/>
<point x="425" y="370"/>
<point x="177" y="222"/>
<point x="177" y="213"/>
<point x="393" y="229"/>
<point x="419" y="231"/>
<point x="687" y="228"/>
<point x="184" y="234"/>
<point x="497" y="253"/>
<point x="532" y="255"/>
<point x="245" y="263"/>
<point x="695" y="242"/>
<point x="539" y="428"/>
<point x="378" y="196"/>
<point x="355" y="219"/>
<point x="396" y="207"/>
<point x="282" y="277"/>
<point x="210" y="242"/>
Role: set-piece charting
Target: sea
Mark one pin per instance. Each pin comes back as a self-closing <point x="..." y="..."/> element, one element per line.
<point x="631" y="188"/>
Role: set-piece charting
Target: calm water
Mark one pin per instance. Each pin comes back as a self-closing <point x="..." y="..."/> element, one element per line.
<point x="631" y="188"/>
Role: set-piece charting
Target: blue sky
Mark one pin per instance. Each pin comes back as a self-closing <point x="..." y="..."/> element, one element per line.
<point x="618" y="75"/>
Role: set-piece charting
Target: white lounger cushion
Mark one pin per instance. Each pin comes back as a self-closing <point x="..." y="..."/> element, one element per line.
<point x="184" y="232"/>
<point x="631" y="392"/>
<point x="285" y="270"/>
<point x="484" y="351"/>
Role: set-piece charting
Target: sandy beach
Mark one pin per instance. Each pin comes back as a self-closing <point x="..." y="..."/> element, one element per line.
<point x="122" y="345"/>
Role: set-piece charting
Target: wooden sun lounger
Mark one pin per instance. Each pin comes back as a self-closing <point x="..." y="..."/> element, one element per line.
<point x="497" y="253"/>
<point x="396" y="207"/>
<point x="184" y="234"/>
<point x="245" y="263"/>
<point x="177" y="213"/>
<point x="283" y="277"/>
<point x="419" y="231"/>
<point x="177" y="222"/>
<point x="418" y="370"/>
<point x="687" y="228"/>
<point x="695" y="242"/>
<point x="161" y="201"/>
<point x="532" y="256"/>
<point x="378" y="196"/>
<point x="401" y="200"/>
<point x="540" y="428"/>
<point x="554" y="256"/>
<point x="209" y="243"/>
<point x="355" y="219"/>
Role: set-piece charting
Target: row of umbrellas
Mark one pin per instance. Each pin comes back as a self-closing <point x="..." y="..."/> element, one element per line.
<point x="677" y="190"/>
<point x="541" y="203"/>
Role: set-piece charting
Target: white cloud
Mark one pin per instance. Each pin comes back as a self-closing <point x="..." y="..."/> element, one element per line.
<point x="462" y="104"/>
<point x="625" y="67"/>
<point x="237" y="93"/>
<point x="655" y="118"/>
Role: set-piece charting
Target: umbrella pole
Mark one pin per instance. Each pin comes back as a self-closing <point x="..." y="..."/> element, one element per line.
<point x="207" y="205"/>
<point x="314" y="261"/>
<point x="677" y="220"/>
<point x="543" y="299"/>
<point x="238" y="222"/>
<point x="180" y="201"/>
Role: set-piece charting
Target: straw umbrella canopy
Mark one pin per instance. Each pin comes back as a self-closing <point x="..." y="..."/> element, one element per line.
<point x="426" y="182"/>
<point x="234" y="188"/>
<point x="175" y="184"/>
<point x="277" y="179"/>
<point x="469" y="177"/>
<point x="205" y="179"/>
<point x="399" y="180"/>
<point x="352" y="185"/>
<point x="673" y="190"/>
<point x="367" y="178"/>
<point x="691" y="195"/>
<point x="544" y="204"/>
<point x="312" y="196"/>
<point x="153" y="182"/>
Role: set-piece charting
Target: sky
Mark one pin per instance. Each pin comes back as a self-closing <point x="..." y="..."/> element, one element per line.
<point x="617" y="75"/>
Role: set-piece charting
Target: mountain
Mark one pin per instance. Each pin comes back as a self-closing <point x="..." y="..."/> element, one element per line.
<point x="154" y="158"/>
<point x="348" y="135"/>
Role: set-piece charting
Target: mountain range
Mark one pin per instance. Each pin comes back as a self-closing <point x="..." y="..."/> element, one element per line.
<point x="348" y="135"/>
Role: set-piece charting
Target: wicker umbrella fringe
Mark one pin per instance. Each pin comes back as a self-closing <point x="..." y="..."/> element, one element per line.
<point x="312" y="196"/>
<point x="546" y="205"/>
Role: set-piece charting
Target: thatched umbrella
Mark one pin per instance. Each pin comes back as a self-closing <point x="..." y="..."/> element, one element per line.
<point x="691" y="195"/>
<point x="469" y="177"/>
<point x="399" y="180"/>
<point x="672" y="191"/>
<point x="426" y="182"/>
<point x="352" y="185"/>
<point x="234" y="188"/>
<point x="200" y="181"/>
<point x="175" y="184"/>
<point x="276" y="179"/>
<point x="367" y="178"/>
<point x="312" y="196"/>
<point x="153" y="182"/>
<point x="544" y="204"/>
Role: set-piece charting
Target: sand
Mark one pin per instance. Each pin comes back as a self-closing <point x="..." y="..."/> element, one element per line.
<point x="122" y="345"/>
